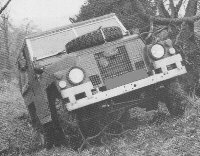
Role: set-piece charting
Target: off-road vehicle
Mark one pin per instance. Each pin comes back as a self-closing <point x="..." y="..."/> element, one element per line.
<point x="78" y="78"/>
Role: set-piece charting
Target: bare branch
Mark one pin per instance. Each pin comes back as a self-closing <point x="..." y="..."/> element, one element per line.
<point x="151" y="30"/>
<point x="175" y="20"/>
<point x="191" y="8"/>
<point x="185" y="33"/>
<point x="178" y="6"/>
<point x="189" y="16"/>
<point x="162" y="10"/>
<point x="5" y="6"/>
<point x="172" y="8"/>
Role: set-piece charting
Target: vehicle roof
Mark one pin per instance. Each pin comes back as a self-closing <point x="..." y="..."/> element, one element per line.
<point x="73" y="25"/>
<point x="51" y="42"/>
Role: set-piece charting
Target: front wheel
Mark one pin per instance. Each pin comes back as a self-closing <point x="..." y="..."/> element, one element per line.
<point x="174" y="97"/>
<point x="49" y="135"/>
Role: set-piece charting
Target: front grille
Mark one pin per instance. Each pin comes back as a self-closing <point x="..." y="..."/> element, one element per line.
<point x="114" y="65"/>
<point x="95" y="79"/>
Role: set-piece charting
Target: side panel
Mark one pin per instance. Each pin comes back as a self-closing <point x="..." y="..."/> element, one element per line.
<point x="41" y="103"/>
<point x="36" y="94"/>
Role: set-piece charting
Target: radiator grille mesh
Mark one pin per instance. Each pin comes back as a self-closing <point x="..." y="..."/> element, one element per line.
<point x="114" y="65"/>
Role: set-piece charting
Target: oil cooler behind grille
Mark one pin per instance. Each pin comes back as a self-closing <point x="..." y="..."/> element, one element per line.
<point x="139" y="65"/>
<point x="95" y="79"/>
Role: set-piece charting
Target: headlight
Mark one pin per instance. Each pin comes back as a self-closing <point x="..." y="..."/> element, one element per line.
<point x="157" y="51"/>
<point x="172" y="51"/>
<point x="76" y="75"/>
<point x="62" y="84"/>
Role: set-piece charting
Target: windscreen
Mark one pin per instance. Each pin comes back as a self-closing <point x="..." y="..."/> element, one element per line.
<point x="51" y="44"/>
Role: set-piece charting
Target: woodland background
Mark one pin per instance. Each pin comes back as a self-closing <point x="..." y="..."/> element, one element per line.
<point x="157" y="133"/>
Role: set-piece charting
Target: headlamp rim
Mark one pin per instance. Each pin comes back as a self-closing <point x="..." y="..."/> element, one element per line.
<point x="70" y="81"/>
<point x="152" y="54"/>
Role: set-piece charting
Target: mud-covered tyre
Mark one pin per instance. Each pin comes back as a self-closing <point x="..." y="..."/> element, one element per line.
<point x="88" y="120"/>
<point x="94" y="38"/>
<point x="69" y="125"/>
<point x="151" y="102"/>
<point x="173" y="96"/>
<point x="53" y="135"/>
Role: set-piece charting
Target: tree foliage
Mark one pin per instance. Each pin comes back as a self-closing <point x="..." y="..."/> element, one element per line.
<point x="124" y="9"/>
<point x="140" y="13"/>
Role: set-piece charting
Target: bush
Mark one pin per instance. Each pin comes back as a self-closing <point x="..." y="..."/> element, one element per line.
<point x="16" y="133"/>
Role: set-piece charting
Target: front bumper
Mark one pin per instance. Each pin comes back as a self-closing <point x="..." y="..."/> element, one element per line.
<point x="100" y="96"/>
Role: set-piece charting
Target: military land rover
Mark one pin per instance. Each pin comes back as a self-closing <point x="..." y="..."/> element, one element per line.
<point x="79" y="75"/>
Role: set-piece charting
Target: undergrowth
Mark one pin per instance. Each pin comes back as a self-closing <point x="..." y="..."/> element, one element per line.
<point x="157" y="133"/>
<point x="17" y="135"/>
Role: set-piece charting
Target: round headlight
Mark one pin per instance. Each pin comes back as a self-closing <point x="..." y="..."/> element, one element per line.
<point x="76" y="75"/>
<point x="62" y="84"/>
<point x="172" y="51"/>
<point x="157" y="51"/>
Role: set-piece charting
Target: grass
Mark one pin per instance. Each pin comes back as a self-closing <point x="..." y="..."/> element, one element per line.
<point x="16" y="132"/>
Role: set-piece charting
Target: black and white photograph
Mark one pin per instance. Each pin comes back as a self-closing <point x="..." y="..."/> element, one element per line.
<point x="99" y="78"/>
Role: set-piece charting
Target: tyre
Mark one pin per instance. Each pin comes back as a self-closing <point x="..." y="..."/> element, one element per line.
<point x="48" y="135"/>
<point x="94" y="38"/>
<point x="69" y="125"/>
<point x="173" y="96"/>
<point x="89" y="118"/>
<point x="151" y="102"/>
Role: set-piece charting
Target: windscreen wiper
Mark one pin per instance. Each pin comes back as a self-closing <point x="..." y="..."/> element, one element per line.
<point x="60" y="53"/>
